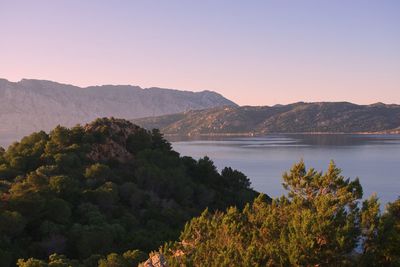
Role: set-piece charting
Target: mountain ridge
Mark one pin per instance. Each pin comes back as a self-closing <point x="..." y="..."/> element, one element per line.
<point x="32" y="105"/>
<point x="300" y="117"/>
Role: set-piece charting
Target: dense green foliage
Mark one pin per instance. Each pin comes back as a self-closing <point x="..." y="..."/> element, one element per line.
<point x="293" y="118"/>
<point x="321" y="222"/>
<point x="108" y="187"/>
<point x="107" y="193"/>
<point x="127" y="259"/>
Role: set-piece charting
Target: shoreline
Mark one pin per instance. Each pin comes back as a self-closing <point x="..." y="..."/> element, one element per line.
<point x="279" y="133"/>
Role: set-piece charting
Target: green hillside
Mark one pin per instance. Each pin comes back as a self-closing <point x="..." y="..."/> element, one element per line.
<point x="109" y="186"/>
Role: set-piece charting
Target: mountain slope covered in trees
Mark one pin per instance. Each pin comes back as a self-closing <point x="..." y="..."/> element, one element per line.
<point x="33" y="105"/>
<point x="338" y="117"/>
<point x="109" y="186"/>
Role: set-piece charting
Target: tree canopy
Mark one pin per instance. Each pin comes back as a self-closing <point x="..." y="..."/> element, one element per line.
<point x="107" y="187"/>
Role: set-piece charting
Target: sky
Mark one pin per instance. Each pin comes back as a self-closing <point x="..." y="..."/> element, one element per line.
<point x="252" y="52"/>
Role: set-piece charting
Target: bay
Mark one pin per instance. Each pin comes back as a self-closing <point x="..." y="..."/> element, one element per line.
<point x="374" y="159"/>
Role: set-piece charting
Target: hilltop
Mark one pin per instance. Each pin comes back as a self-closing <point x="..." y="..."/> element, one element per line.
<point x="108" y="186"/>
<point x="319" y="117"/>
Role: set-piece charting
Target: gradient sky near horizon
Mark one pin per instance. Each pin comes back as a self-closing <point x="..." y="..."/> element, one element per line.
<point x="253" y="52"/>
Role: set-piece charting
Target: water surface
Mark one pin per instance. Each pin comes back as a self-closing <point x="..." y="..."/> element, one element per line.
<point x="375" y="159"/>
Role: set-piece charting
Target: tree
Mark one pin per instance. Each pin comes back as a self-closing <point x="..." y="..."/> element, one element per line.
<point x="97" y="174"/>
<point x="235" y="178"/>
<point x="31" y="263"/>
<point x="64" y="186"/>
<point x="324" y="228"/>
<point x="158" y="141"/>
<point x="113" y="260"/>
<point x="134" y="257"/>
<point x="138" y="141"/>
<point x="382" y="234"/>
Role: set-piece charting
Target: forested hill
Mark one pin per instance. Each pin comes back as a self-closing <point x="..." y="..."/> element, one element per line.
<point x="33" y="105"/>
<point x="109" y="186"/>
<point x="335" y="117"/>
<point x="103" y="194"/>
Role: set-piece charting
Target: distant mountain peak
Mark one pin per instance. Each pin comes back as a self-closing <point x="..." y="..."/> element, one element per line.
<point x="31" y="104"/>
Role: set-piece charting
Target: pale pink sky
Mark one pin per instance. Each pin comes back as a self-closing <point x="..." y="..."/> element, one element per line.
<point x="253" y="52"/>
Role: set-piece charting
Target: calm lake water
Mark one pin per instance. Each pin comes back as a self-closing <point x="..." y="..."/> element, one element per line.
<point x="375" y="159"/>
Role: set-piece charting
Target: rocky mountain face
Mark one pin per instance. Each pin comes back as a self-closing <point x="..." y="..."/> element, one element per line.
<point x="32" y="105"/>
<point x="335" y="117"/>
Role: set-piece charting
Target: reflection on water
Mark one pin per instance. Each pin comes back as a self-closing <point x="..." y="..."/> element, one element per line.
<point x="375" y="159"/>
<point x="300" y="139"/>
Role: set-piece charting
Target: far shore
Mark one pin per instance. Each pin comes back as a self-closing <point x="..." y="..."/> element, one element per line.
<point x="279" y="133"/>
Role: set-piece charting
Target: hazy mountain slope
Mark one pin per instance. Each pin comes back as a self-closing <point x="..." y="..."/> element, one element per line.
<point x="293" y="118"/>
<point x="31" y="105"/>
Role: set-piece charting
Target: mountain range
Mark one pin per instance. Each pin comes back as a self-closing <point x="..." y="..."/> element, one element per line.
<point x="33" y="105"/>
<point x="318" y="117"/>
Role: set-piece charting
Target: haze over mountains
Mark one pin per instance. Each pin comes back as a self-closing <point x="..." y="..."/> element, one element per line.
<point x="33" y="105"/>
<point x="332" y="117"/>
